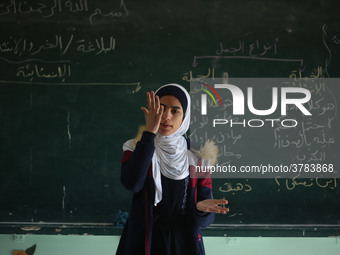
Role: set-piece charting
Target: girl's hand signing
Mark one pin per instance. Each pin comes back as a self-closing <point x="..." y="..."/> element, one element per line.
<point x="153" y="114"/>
<point x="212" y="205"/>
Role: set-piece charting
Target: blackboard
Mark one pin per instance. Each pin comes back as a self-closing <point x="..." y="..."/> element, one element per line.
<point x="74" y="74"/>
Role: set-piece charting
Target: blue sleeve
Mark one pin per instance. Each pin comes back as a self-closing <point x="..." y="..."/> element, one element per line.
<point x="135" y="164"/>
<point x="203" y="219"/>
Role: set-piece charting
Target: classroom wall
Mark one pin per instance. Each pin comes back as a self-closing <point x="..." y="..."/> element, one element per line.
<point x="96" y="245"/>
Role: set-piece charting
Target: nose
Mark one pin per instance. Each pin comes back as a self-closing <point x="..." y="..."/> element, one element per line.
<point x="166" y="114"/>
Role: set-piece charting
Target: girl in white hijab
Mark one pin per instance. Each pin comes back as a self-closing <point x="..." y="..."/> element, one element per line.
<point x="163" y="157"/>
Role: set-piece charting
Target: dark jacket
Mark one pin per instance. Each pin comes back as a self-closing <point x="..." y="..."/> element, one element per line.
<point x="136" y="176"/>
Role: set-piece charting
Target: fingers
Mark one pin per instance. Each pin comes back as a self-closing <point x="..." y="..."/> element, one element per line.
<point x="158" y="104"/>
<point x="221" y="201"/>
<point x="153" y="102"/>
<point x="144" y="110"/>
<point x="212" y="205"/>
<point x="161" y="110"/>
<point x="153" y="113"/>
<point x="220" y="209"/>
<point x="148" y="95"/>
<point x="217" y="209"/>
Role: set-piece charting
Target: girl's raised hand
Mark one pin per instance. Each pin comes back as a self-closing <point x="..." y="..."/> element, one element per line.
<point x="153" y="114"/>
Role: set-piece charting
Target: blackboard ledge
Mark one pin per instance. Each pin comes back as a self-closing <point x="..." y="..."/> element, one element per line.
<point x="274" y="230"/>
<point x="225" y="230"/>
<point x="60" y="228"/>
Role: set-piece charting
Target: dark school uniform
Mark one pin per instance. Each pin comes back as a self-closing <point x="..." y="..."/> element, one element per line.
<point x="173" y="226"/>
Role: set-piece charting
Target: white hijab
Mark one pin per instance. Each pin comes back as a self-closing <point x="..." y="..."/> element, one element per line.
<point x="171" y="157"/>
<point x="171" y="153"/>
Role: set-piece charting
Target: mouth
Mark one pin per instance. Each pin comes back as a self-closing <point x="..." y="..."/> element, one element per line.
<point x="165" y="126"/>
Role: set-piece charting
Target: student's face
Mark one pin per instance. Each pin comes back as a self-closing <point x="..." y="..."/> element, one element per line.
<point x="172" y="116"/>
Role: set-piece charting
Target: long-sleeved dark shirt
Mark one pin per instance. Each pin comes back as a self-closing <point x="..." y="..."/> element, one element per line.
<point x="177" y="210"/>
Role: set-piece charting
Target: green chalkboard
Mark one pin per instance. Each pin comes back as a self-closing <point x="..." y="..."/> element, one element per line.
<point x="74" y="75"/>
<point x="267" y="165"/>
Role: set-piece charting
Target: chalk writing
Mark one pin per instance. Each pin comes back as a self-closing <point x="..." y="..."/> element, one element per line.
<point x="313" y="138"/>
<point x="58" y="45"/>
<point x="31" y="71"/>
<point x="232" y="187"/>
<point x="300" y="61"/>
<point x="72" y="7"/>
<point x="331" y="42"/>
<point x="309" y="141"/>
<point x="310" y="81"/>
<point x="129" y="84"/>
<point x="99" y="13"/>
<point x="289" y="184"/>
<point x="211" y="73"/>
<point x="297" y="75"/>
<point x="20" y="46"/>
<point x="253" y="49"/>
<point x="293" y="183"/>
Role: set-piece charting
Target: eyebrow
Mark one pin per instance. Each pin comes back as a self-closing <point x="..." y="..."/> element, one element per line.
<point x="175" y="107"/>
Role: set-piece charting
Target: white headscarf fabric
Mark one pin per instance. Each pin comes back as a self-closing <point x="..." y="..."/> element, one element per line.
<point x="171" y="157"/>
<point x="171" y="153"/>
